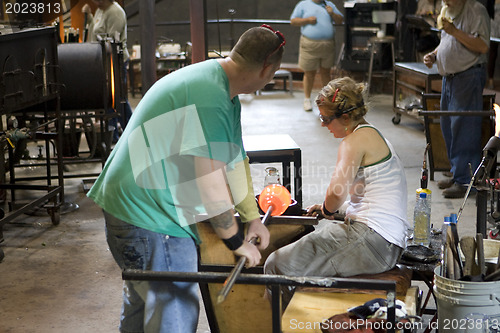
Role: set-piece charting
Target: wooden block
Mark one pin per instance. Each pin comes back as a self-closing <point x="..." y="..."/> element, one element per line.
<point x="411" y="300"/>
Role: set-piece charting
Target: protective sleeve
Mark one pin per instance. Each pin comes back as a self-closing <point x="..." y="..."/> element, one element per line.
<point x="245" y="204"/>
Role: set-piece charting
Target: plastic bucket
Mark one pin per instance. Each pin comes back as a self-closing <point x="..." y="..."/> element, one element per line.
<point x="458" y="300"/>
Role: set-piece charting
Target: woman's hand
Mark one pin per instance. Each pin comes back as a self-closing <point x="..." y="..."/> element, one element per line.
<point x="314" y="210"/>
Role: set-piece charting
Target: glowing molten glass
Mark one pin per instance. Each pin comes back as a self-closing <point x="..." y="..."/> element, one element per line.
<point x="275" y="196"/>
<point x="497" y="119"/>
<point x="112" y="82"/>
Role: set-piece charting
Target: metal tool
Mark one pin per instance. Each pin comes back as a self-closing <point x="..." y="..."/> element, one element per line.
<point x="480" y="253"/>
<point x="454" y="241"/>
<point x="444" y="252"/>
<point x="86" y="27"/>
<point x="465" y="198"/>
<point x="274" y="199"/>
<point x="424" y="177"/>
<point x="495" y="276"/>
<point x="479" y="177"/>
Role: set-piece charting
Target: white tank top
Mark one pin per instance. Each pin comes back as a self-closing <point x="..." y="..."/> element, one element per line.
<point x="379" y="197"/>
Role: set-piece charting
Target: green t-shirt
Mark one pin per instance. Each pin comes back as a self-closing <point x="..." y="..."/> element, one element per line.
<point x="148" y="179"/>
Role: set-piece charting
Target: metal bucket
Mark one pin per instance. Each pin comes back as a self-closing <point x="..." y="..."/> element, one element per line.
<point x="458" y="301"/>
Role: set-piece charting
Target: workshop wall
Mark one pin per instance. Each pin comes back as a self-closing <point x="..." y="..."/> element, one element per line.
<point x="172" y="22"/>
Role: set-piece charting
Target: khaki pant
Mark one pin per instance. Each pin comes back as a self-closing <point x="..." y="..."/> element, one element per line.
<point x="336" y="249"/>
<point x="314" y="54"/>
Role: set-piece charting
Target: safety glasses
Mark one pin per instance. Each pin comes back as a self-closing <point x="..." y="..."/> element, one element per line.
<point x="326" y="120"/>
<point x="280" y="37"/>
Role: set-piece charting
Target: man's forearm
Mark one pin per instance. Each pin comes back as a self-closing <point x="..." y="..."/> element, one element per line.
<point x="472" y="43"/>
<point x="298" y="21"/>
<point x="224" y="224"/>
<point x="338" y="19"/>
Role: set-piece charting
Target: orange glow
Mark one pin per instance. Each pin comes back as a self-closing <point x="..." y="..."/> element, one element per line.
<point x="112" y="82"/>
<point x="497" y="119"/>
<point x="275" y="196"/>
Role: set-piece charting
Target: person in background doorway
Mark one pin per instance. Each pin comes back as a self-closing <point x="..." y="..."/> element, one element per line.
<point x="429" y="10"/>
<point x="427" y="40"/>
<point x="110" y="20"/>
<point x="316" y="19"/>
<point x="461" y="58"/>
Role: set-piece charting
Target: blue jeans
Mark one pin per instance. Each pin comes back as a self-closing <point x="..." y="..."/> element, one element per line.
<point x="462" y="134"/>
<point x="169" y="307"/>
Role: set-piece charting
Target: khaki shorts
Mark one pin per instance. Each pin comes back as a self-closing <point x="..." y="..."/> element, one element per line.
<point x="314" y="54"/>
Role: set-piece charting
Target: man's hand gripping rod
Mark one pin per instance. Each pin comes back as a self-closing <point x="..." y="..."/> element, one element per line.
<point x="228" y="284"/>
<point x="277" y="199"/>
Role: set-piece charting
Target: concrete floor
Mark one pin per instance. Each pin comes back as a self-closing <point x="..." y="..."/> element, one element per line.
<point x="63" y="279"/>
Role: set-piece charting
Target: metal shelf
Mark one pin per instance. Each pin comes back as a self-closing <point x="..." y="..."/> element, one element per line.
<point x="30" y="86"/>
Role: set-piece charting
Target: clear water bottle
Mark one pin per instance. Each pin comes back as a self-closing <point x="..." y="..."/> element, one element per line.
<point x="422" y="221"/>
<point x="426" y="191"/>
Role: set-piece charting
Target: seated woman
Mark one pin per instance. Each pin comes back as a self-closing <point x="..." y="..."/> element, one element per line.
<point x="373" y="235"/>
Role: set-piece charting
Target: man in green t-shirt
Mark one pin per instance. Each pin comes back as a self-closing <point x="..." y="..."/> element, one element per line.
<point x="180" y="160"/>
